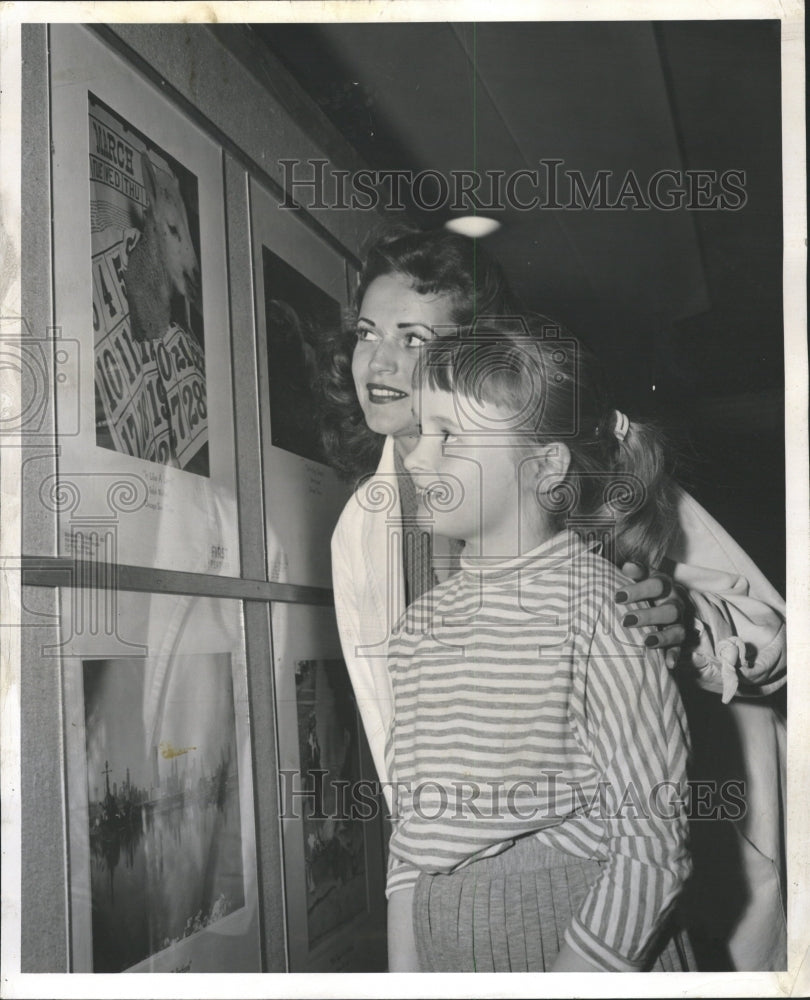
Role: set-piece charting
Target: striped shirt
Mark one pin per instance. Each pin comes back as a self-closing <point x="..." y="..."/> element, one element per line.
<point x="522" y="706"/>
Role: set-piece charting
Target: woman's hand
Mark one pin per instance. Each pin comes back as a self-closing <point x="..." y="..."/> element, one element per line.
<point x="666" y="612"/>
<point x="401" y="940"/>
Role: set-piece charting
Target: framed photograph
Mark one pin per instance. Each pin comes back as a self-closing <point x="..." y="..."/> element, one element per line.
<point x="300" y="288"/>
<point x="141" y="297"/>
<point x="332" y="817"/>
<point x="160" y="792"/>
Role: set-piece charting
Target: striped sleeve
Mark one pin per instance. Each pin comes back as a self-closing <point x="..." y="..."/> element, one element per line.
<point x="401" y="875"/>
<point x="635" y="732"/>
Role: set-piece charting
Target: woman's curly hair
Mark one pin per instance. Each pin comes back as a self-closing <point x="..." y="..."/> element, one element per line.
<point x="437" y="262"/>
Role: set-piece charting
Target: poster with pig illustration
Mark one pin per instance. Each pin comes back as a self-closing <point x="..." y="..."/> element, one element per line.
<point x="145" y="427"/>
<point x="149" y="345"/>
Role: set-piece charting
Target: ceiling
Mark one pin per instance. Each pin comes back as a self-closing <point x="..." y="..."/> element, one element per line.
<point x="600" y="96"/>
<point x="684" y="305"/>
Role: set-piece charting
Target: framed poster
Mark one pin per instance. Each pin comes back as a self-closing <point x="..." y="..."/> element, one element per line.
<point x="331" y="814"/>
<point x="160" y="791"/>
<point x="300" y="288"/>
<point x="141" y="298"/>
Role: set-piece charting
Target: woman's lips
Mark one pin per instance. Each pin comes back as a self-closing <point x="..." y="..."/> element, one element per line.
<point x="384" y="393"/>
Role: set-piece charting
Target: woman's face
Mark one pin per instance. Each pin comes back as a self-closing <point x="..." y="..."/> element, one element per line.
<point x="393" y="323"/>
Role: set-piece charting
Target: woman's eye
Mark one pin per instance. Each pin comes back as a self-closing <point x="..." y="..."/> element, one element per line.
<point x="365" y="333"/>
<point x="448" y="438"/>
<point x="415" y="340"/>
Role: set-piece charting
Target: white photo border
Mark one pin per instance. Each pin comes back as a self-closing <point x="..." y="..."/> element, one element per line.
<point x="797" y="980"/>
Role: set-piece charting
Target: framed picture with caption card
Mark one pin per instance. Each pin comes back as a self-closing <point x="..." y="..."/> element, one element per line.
<point x="300" y="287"/>
<point x="159" y="786"/>
<point x="145" y="425"/>
<point x="332" y="814"/>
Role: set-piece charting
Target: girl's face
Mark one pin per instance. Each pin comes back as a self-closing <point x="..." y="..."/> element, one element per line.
<point x="473" y="480"/>
<point x="393" y="324"/>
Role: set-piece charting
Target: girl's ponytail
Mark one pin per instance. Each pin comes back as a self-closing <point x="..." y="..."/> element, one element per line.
<point x="648" y="520"/>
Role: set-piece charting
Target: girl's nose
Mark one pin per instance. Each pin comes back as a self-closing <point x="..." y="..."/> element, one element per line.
<point x="417" y="460"/>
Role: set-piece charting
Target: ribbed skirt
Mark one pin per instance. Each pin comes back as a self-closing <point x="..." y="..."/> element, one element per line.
<point x="508" y="913"/>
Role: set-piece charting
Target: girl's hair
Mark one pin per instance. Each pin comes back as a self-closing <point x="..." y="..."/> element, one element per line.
<point x="436" y="262"/>
<point x="556" y="391"/>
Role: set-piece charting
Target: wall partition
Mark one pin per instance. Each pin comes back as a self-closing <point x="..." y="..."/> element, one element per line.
<point x="186" y="714"/>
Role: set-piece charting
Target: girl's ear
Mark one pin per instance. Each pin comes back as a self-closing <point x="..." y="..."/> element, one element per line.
<point x="545" y="480"/>
<point x="552" y="465"/>
<point x="549" y="474"/>
<point x="545" y="470"/>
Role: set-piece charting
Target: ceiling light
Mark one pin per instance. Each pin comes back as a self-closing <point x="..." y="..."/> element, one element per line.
<point x="472" y="225"/>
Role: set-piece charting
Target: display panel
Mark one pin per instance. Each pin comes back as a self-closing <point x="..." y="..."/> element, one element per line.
<point x="145" y="419"/>
<point x="159" y="789"/>
<point x="300" y="287"/>
<point x="332" y="816"/>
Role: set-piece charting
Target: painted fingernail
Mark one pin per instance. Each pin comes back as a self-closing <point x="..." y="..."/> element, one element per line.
<point x="621" y="596"/>
<point x="630" y="620"/>
<point x="651" y="640"/>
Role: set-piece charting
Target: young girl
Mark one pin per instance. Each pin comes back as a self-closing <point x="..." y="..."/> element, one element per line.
<point x="538" y="747"/>
<point x="415" y="286"/>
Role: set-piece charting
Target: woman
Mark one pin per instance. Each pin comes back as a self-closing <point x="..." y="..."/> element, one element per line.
<point x="413" y="287"/>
